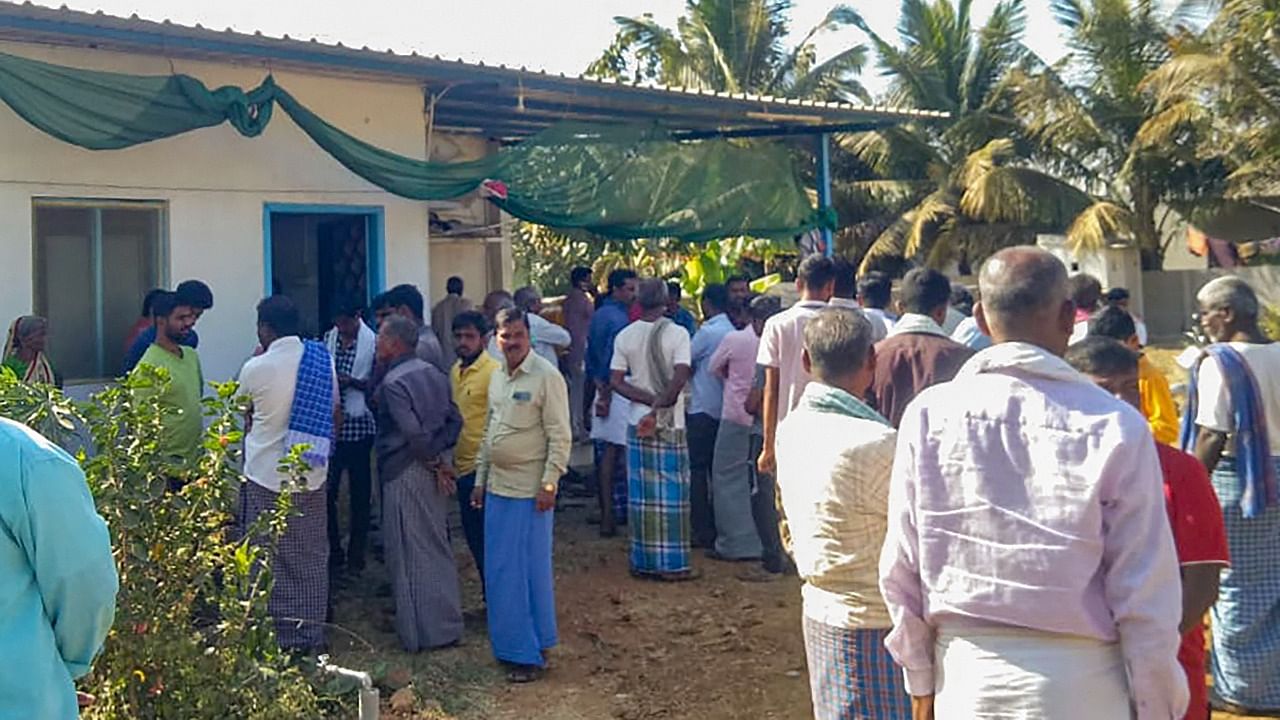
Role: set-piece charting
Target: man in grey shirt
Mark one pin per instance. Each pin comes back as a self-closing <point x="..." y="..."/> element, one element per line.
<point x="417" y="424"/>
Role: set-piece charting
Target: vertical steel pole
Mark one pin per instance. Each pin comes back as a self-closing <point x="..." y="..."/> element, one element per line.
<point x="824" y="187"/>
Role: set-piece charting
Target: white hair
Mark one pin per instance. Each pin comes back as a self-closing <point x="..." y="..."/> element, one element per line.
<point x="1231" y="292"/>
<point x="399" y="327"/>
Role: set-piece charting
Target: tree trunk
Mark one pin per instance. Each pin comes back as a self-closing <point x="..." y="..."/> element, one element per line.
<point x="1146" y="233"/>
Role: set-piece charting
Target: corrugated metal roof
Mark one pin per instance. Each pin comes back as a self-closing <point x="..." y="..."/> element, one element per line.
<point x="498" y="101"/>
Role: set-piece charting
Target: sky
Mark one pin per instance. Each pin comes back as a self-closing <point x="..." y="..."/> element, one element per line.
<point x="561" y="36"/>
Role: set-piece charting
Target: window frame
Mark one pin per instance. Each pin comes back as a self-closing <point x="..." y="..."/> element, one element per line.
<point x="96" y="206"/>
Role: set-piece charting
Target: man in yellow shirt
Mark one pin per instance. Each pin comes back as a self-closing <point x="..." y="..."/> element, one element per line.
<point x="469" y="377"/>
<point x="1157" y="399"/>
<point x="524" y="453"/>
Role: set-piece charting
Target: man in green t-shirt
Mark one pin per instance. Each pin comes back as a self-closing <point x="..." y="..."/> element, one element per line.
<point x="182" y="422"/>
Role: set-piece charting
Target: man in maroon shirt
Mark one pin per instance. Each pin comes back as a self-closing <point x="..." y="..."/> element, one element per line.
<point x="918" y="353"/>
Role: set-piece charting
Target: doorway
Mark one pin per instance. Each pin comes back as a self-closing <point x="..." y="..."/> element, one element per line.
<point x="321" y="255"/>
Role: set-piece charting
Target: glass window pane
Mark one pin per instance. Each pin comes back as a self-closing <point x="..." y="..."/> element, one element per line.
<point x="66" y="281"/>
<point x="130" y="267"/>
<point x="64" y="287"/>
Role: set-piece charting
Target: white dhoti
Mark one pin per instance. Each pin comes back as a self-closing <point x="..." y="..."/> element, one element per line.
<point x="613" y="428"/>
<point x="1012" y="674"/>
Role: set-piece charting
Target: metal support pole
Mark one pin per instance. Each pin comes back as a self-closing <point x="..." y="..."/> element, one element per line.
<point x="824" y="187"/>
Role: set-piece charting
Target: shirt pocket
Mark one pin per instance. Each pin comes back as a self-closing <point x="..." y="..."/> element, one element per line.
<point x="521" y="414"/>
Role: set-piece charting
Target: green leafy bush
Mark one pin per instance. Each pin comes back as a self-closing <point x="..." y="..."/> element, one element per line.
<point x="192" y="638"/>
<point x="1270" y="321"/>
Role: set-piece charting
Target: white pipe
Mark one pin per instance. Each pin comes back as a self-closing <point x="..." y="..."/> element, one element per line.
<point x="368" y="693"/>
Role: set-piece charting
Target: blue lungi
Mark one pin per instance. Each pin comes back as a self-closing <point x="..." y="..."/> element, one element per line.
<point x="852" y="676"/>
<point x="1245" y="661"/>
<point x="518" y="582"/>
<point x="658" y="482"/>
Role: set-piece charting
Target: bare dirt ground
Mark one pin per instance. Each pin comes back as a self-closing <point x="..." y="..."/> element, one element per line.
<point x="715" y="648"/>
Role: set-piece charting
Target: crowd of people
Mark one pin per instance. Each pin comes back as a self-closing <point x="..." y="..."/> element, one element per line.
<point x="985" y="499"/>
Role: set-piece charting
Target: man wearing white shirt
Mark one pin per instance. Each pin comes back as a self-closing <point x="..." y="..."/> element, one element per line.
<point x="781" y="344"/>
<point x="548" y="337"/>
<point x="299" y="565"/>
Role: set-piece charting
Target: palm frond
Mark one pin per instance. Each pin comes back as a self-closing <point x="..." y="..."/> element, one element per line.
<point x="1098" y="225"/>
<point x="984" y="160"/>
<point x="972" y="243"/>
<point x="833" y="78"/>
<point x="1259" y="177"/>
<point x="891" y="243"/>
<point x="892" y="152"/>
<point x="704" y="39"/>
<point x="1022" y="196"/>
<point x="926" y="219"/>
<point x="1058" y="119"/>
<point x="1188" y="75"/>
<point x="837" y="17"/>
<point x="1070" y="14"/>
<point x="881" y="196"/>
<point x="1160" y="130"/>
<point x="999" y="47"/>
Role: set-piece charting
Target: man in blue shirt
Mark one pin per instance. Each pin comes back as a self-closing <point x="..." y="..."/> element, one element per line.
<point x="703" y="420"/>
<point x="191" y="293"/>
<point x="609" y="426"/>
<point x="677" y="312"/>
<point x="57" y="579"/>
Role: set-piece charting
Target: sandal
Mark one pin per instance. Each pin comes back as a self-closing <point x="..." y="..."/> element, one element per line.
<point x="521" y="674"/>
<point x="671" y="577"/>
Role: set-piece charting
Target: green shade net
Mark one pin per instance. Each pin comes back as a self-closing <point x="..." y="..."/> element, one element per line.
<point x="620" y="182"/>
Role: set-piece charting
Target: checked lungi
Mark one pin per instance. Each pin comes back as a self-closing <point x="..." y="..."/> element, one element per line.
<point x="299" y="601"/>
<point x="424" y="574"/>
<point x="851" y="674"/>
<point x="1245" y="661"/>
<point x="658" y="489"/>
<point x="518" y="579"/>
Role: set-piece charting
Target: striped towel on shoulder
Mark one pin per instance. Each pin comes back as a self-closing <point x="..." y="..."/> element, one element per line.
<point x="311" y="417"/>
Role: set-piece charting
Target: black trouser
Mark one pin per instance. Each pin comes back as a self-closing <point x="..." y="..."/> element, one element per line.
<point x="472" y="521"/>
<point x="764" y="510"/>
<point x="702" y="429"/>
<point x="354" y="458"/>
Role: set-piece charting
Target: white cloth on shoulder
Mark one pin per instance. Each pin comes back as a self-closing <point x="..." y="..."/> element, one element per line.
<point x="353" y="401"/>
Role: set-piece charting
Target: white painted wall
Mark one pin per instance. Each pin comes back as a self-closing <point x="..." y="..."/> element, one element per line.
<point x="215" y="183"/>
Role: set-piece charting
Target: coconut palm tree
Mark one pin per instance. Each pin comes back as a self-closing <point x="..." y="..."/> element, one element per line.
<point x="963" y="189"/>
<point x="1224" y="84"/>
<point x="1095" y="121"/>
<point x="735" y="46"/>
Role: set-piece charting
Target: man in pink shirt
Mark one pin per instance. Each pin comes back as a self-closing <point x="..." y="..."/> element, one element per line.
<point x="1029" y="567"/>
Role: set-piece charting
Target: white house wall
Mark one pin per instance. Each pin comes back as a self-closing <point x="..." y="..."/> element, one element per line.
<point x="216" y="184"/>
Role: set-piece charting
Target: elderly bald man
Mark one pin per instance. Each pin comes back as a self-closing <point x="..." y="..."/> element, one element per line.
<point x="1029" y="567"/>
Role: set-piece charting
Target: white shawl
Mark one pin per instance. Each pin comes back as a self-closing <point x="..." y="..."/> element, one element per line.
<point x="353" y="401"/>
